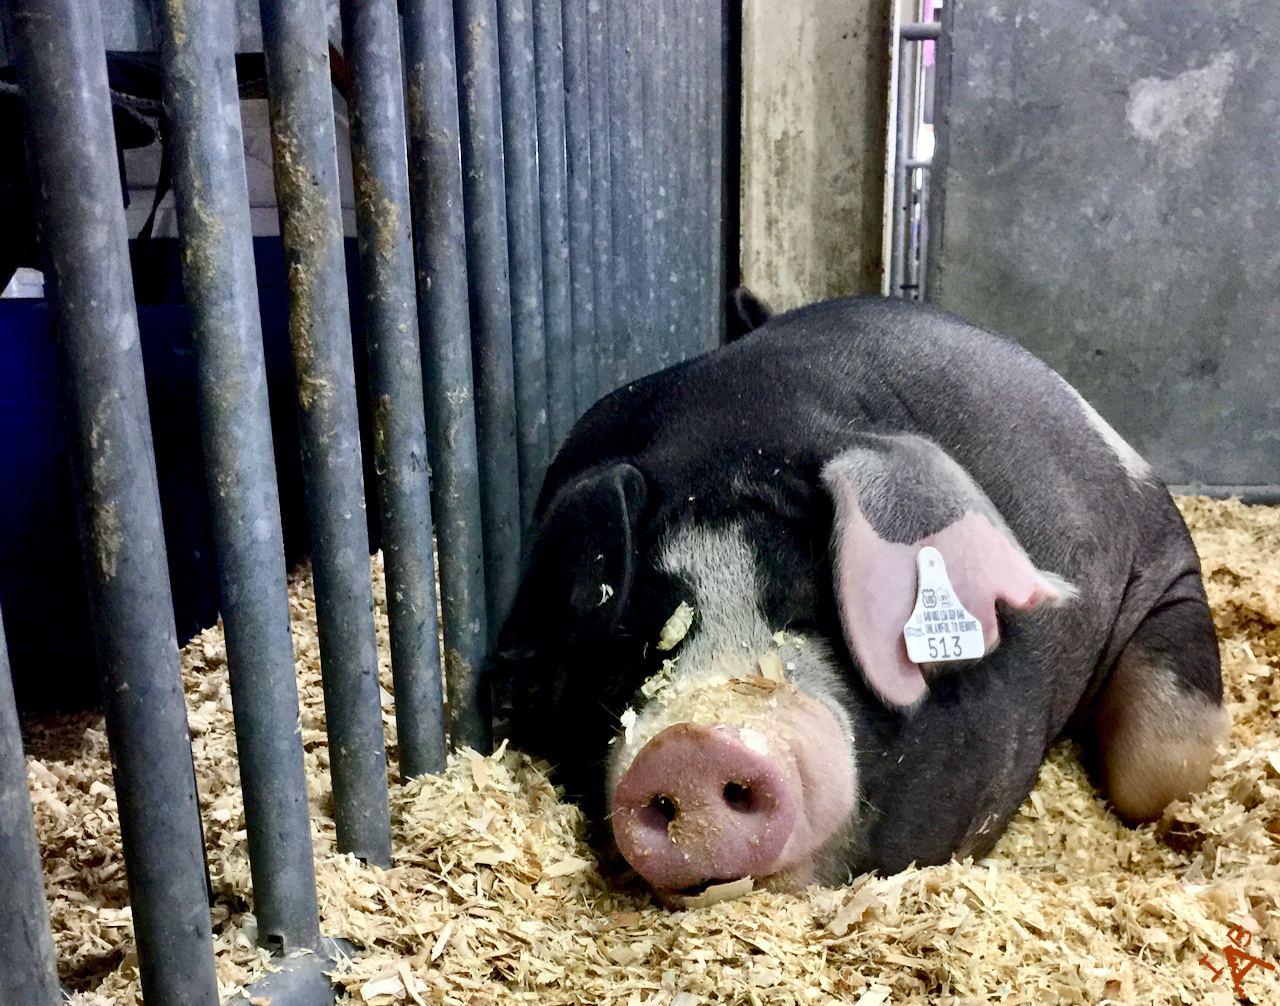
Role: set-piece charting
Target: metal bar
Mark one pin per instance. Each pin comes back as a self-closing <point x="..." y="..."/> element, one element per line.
<point x="578" y="166"/>
<point x="305" y="160"/>
<point x="197" y="46"/>
<point x="601" y="196"/>
<point x="483" y="188"/>
<point x="730" y="178"/>
<point x="920" y="31"/>
<point x="936" y="207"/>
<point x="715" y="289"/>
<point x="902" y="274"/>
<point x="439" y="234"/>
<point x="524" y="245"/>
<point x="922" y="240"/>
<point x="654" y="330"/>
<point x="625" y="153"/>
<point x="700" y="193"/>
<point x="62" y="74"/>
<point x="897" y="271"/>
<point x="668" y="206"/>
<point x="549" y="42"/>
<point x="685" y="226"/>
<point x="379" y="156"/>
<point x="26" y="942"/>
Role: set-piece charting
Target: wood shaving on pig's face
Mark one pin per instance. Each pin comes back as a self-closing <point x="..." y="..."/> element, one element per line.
<point x="744" y="703"/>
<point x="1070" y="907"/>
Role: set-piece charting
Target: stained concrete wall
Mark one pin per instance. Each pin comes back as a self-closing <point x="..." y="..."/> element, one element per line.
<point x="1111" y="199"/>
<point x="814" y="120"/>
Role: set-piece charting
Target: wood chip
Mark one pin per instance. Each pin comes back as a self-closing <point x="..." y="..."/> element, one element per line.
<point x="389" y="986"/>
<point x="716" y="893"/>
<point x="572" y="864"/>
<point x="495" y="897"/>
<point x="771" y="667"/>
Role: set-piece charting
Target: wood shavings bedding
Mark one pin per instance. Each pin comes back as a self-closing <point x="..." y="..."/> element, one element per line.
<point x="494" y="898"/>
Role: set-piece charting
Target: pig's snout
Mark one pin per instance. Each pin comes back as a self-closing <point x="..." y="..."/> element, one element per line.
<point x="697" y="805"/>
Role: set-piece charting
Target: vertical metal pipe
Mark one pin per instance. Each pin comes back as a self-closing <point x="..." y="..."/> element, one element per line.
<point x="651" y="322"/>
<point x="483" y="187"/>
<point x="202" y="106"/>
<point x="679" y="125"/>
<point x="62" y="78"/>
<point x="700" y="180"/>
<point x="578" y="159"/>
<point x="296" y="47"/>
<point x="548" y="37"/>
<point x="601" y="194"/>
<point x="625" y="154"/>
<point x="897" y="269"/>
<point x="524" y="244"/>
<point x="730" y="181"/>
<point x="922" y="268"/>
<point x="691" y="172"/>
<point x="26" y="943"/>
<point x="713" y="297"/>
<point x="670" y="266"/>
<point x="935" y="207"/>
<point x="379" y="157"/>
<point x="439" y="234"/>
<point x="911" y="286"/>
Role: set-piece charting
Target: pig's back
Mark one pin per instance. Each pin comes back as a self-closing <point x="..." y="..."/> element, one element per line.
<point x="787" y="397"/>
<point x="773" y="407"/>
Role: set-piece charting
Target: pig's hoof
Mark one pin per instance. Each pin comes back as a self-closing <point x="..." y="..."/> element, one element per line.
<point x="698" y="806"/>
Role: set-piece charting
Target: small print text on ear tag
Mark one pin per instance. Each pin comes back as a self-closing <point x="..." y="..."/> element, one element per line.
<point x="940" y="628"/>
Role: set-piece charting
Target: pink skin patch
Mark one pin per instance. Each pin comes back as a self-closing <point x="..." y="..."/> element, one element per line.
<point x="877" y="586"/>
<point x="698" y="805"/>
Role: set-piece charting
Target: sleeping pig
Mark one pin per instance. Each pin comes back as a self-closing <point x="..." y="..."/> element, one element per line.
<point x="818" y="602"/>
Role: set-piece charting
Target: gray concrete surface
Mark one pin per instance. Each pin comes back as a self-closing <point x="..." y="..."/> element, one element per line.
<point x="1111" y="199"/>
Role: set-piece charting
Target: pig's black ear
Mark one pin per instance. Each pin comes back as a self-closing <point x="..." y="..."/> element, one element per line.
<point x="894" y="495"/>
<point x="583" y="561"/>
<point x="744" y="312"/>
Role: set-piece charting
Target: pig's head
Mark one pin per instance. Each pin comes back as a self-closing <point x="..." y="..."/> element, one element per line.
<point x="709" y="747"/>
<point x="736" y="759"/>
<point x="694" y="672"/>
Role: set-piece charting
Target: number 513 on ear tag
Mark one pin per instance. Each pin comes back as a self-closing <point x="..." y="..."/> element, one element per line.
<point x="940" y="628"/>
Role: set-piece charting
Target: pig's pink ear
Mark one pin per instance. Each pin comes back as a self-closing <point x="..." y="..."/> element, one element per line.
<point x="893" y="495"/>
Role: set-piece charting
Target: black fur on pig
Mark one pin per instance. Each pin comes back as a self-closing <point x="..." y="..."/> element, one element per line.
<point x="741" y="437"/>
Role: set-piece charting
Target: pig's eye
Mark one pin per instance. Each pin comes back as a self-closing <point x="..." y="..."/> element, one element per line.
<point x="665" y="806"/>
<point x="738" y="796"/>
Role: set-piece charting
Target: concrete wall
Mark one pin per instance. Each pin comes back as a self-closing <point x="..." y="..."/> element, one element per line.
<point x="814" y="119"/>
<point x="1110" y="199"/>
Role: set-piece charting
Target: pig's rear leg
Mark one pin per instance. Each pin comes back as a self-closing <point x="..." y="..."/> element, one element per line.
<point x="1159" y="718"/>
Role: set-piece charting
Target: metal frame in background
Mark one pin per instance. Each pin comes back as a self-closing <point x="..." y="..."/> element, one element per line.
<point x="909" y="241"/>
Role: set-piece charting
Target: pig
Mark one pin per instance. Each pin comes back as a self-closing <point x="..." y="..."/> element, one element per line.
<point x="710" y="643"/>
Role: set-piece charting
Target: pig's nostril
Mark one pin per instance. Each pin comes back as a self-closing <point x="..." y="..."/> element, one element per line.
<point x="665" y="806"/>
<point x="738" y="796"/>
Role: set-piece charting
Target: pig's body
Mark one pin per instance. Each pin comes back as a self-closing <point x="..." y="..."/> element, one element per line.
<point x="819" y="450"/>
